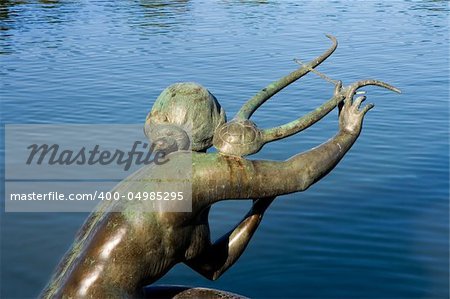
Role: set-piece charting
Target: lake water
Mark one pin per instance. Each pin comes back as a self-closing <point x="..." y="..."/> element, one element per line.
<point x="376" y="227"/>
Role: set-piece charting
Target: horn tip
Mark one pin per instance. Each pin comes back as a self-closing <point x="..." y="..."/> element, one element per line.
<point x="395" y="89"/>
<point x="330" y="36"/>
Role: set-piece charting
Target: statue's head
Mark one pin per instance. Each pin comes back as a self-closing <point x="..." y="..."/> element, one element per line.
<point x="185" y="115"/>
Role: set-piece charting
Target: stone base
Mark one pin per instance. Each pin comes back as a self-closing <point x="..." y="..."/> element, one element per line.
<point x="185" y="292"/>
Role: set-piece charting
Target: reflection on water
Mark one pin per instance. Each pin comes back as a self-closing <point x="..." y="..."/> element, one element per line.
<point x="163" y="15"/>
<point x="376" y="227"/>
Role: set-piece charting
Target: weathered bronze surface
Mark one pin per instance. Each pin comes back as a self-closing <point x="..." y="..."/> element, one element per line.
<point x="182" y="292"/>
<point x="184" y="109"/>
<point x="116" y="254"/>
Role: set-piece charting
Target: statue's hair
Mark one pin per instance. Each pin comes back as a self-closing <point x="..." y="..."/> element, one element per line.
<point x="188" y="106"/>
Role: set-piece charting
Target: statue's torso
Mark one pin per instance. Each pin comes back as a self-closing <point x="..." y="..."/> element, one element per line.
<point x="114" y="254"/>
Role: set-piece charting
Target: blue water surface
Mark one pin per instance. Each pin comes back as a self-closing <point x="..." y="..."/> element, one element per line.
<point x="376" y="227"/>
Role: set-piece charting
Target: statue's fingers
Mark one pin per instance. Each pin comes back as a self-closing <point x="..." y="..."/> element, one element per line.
<point x="358" y="102"/>
<point x="348" y="102"/>
<point x="367" y="108"/>
<point x="338" y="88"/>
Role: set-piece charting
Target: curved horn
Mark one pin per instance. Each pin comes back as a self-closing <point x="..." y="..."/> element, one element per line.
<point x="351" y="90"/>
<point x="256" y="101"/>
<point x="311" y="118"/>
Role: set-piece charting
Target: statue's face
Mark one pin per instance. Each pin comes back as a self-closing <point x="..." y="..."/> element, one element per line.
<point x="168" y="137"/>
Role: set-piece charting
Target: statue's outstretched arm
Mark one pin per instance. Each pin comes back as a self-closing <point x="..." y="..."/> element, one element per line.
<point x="221" y="177"/>
<point x="221" y="255"/>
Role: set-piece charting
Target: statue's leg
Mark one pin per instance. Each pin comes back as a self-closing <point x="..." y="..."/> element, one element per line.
<point x="221" y="255"/>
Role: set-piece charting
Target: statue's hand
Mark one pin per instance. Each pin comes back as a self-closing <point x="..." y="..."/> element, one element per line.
<point x="350" y="117"/>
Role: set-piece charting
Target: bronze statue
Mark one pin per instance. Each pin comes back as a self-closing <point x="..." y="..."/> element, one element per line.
<point x="116" y="254"/>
